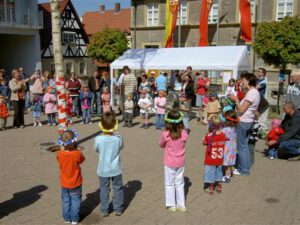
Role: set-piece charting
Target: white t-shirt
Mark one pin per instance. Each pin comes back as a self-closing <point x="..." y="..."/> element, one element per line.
<point x="143" y="104"/>
<point x="253" y="97"/>
<point x="230" y="91"/>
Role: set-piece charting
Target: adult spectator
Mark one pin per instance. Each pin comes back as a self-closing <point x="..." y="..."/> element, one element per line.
<point x="106" y="80"/>
<point x="201" y="92"/>
<point x="151" y="81"/>
<point x="95" y="84"/>
<point x="36" y="81"/>
<point x="290" y="140"/>
<point x="129" y="82"/>
<point x="293" y="90"/>
<point x="247" y="109"/>
<point x="24" y="76"/>
<point x="161" y="82"/>
<point x="17" y="97"/>
<point x="262" y="84"/>
<point x="188" y="88"/>
<point x="173" y="78"/>
<point x="178" y="84"/>
<point x="49" y="81"/>
<point x="74" y="86"/>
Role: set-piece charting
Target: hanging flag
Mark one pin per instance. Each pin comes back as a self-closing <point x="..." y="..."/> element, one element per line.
<point x="172" y="7"/>
<point x="246" y="27"/>
<point x="203" y="27"/>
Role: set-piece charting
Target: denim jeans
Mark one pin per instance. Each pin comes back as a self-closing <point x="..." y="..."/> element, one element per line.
<point x="27" y="100"/>
<point x="186" y="123"/>
<point x="51" y="118"/>
<point x="86" y="115"/>
<point x="75" y="100"/>
<point x="212" y="174"/>
<point x="160" y="123"/>
<point x="71" y="200"/>
<point x="251" y="148"/>
<point x="273" y="153"/>
<point x="97" y="97"/>
<point x="291" y="146"/>
<point x="104" y="193"/>
<point x="244" y="157"/>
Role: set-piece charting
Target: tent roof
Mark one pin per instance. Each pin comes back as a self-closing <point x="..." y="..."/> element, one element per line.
<point x="234" y="58"/>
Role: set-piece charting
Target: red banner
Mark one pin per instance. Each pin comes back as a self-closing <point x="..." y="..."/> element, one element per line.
<point x="246" y="27"/>
<point x="203" y="27"/>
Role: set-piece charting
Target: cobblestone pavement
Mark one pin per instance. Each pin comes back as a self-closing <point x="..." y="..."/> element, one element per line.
<point x="30" y="191"/>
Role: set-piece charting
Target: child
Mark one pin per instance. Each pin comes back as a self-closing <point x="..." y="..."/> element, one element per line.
<point x="108" y="145"/>
<point x="215" y="144"/>
<point x="105" y="100"/>
<point x="3" y="113"/>
<point x="160" y="105"/>
<point x="86" y="103"/>
<point x="173" y="141"/>
<point x="69" y="107"/>
<point x="69" y="159"/>
<point x="273" y="135"/>
<point x="230" y="90"/>
<point x="144" y="104"/>
<point x="184" y="108"/>
<point x="37" y="106"/>
<point x="50" y="106"/>
<point x="230" y="150"/>
<point x="213" y="106"/>
<point x="5" y="91"/>
<point x="129" y="105"/>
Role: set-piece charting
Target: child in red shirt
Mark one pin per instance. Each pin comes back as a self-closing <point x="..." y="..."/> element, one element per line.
<point x="273" y="135"/>
<point x="215" y="143"/>
<point x="69" y="159"/>
<point x="3" y="113"/>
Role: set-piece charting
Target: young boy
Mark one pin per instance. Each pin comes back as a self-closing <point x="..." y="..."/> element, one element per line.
<point x="184" y="108"/>
<point x="108" y="145"/>
<point x="144" y="104"/>
<point x="129" y="105"/>
<point x="69" y="159"/>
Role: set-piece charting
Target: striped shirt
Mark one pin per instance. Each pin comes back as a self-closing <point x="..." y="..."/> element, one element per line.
<point x="129" y="83"/>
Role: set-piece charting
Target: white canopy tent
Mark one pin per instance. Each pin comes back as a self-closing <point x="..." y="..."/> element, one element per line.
<point x="219" y="58"/>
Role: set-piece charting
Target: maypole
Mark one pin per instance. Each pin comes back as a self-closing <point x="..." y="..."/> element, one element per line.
<point x="58" y="61"/>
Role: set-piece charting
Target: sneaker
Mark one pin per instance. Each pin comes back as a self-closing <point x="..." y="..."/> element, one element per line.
<point x="271" y="157"/>
<point x="15" y="127"/>
<point x="171" y="209"/>
<point x="182" y="209"/>
<point x="73" y="222"/>
<point x="226" y="179"/>
<point x="22" y="126"/>
<point x="40" y="124"/>
<point x="48" y="124"/>
<point x="67" y="222"/>
<point x="295" y="158"/>
<point x="82" y="123"/>
<point x="146" y="126"/>
<point x="35" y="124"/>
<point x="143" y="125"/>
<point x="104" y="214"/>
<point x="118" y="213"/>
<point x="90" y="122"/>
<point x="219" y="188"/>
<point x="124" y="124"/>
<point x="236" y="172"/>
<point x="210" y="189"/>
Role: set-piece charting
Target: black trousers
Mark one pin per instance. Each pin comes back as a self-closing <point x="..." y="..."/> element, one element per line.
<point x="19" y="107"/>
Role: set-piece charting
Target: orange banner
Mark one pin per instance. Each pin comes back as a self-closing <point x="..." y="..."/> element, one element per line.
<point x="172" y="7"/>
<point x="246" y="27"/>
<point x="203" y="27"/>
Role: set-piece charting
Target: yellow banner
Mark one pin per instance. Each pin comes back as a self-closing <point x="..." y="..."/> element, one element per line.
<point x="172" y="7"/>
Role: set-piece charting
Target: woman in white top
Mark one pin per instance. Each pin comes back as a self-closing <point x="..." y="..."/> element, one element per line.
<point x="178" y="84"/>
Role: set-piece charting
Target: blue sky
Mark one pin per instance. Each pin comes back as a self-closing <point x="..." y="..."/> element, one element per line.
<point x="93" y="5"/>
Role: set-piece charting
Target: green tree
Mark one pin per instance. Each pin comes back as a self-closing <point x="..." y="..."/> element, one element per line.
<point x="278" y="43"/>
<point x="107" y="45"/>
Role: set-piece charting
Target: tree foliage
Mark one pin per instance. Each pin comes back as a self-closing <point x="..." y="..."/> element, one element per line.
<point x="107" y="45"/>
<point x="278" y="43"/>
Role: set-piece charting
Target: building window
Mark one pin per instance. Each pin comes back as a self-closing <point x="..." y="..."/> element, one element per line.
<point x="214" y="12"/>
<point x="152" y="15"/>
<point x="182" y="13"/>
<point x="69" y="38"/>
<point x="81" y="69"/>
<point x="151" y="46"/>
<point x="284" y="8"/>
<point x="69" y="68"/>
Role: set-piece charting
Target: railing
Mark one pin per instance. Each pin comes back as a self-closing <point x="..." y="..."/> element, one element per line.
<point x="29" y="18"/>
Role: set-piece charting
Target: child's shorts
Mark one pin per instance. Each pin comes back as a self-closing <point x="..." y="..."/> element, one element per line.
<point x="36" y="114"/>
<point x="212" y="174"/>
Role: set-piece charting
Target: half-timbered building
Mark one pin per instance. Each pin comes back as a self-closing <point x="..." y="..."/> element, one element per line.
<point x="74" y="41"/>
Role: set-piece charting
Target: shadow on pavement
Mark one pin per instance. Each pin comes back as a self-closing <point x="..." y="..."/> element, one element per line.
<point x="130" y="190"/>
<point x="88" y="138"/>
<point x="187" y="185"/>
<point x="89" y="204"/>
<point x="21" y="199"/>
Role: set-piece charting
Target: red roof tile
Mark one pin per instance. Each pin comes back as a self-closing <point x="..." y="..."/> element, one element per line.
<point x="97" y="21"/>
<point x="62" y="6"/>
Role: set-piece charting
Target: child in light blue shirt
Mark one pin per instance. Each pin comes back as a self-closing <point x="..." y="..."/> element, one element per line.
<point x="109" y="145"/>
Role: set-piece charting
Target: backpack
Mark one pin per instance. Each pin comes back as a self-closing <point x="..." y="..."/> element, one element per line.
<point x="172" y="101"/>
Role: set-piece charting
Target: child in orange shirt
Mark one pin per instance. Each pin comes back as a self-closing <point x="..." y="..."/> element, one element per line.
<point x="69" y="159"/>
<point x="3" y="113"/>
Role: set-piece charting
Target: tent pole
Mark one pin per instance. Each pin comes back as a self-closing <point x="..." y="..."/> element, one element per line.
<point x="112" y="91"/>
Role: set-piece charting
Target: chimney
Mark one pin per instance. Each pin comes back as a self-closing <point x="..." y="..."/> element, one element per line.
<point x="117" y="7"/>
<point x="102" y="8"/>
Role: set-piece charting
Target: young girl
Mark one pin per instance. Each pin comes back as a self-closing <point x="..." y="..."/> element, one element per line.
<point x="129" y="105"/>
<point x="173" y="141"/>
<point x="144" y="104"/>
<point x="231" y="88"/>
<point x="50" y="106"/>
<point x="105" y="97"/>
<point x="160" y="105"/>
<point x="230" y="150"/>
<point x="273" y="135"/>
<point x="109" y="146"/>
<point x="86" y="104"/>
<point x="69" y="107"/>
<point x="213" y="106"/>
<point x="215" y="144"/>
<point x="37" y="106"/>
<point x="69" y="159"/>
<point x="3" y="113"/>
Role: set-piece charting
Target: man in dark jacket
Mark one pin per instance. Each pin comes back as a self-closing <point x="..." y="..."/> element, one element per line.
<point x="290" y="140"/>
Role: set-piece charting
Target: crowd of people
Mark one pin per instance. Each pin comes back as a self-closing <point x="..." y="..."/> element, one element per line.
<point x="232" y="122"/>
